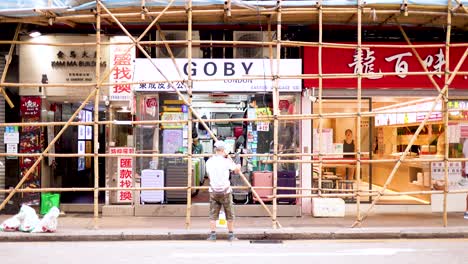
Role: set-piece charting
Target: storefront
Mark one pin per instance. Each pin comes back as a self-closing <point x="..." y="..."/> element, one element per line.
<point x="218" y="99"/>
<point x="400" y="103"/>
<point x="65" y="65"/>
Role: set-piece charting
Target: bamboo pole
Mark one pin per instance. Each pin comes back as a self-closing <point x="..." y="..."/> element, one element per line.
<point x="189" y="130"/>
<point x="219" y="12"/>
<point x="364" y="192"/>
<point x="96" y="116"/>
<point x="276" y="111"/>
<point x="251" y="77"/>
<point x="358" y="118"/>
<point x="7" y="65"/>
<point x="421" y="62"/>
<point x="320" y="101"/>
<point x="445" y="113"/>
<point x="194" y="112"/>
<point x="392" y="174"/>
<point x="41" y="157"/>
<point x="287" y="43"/>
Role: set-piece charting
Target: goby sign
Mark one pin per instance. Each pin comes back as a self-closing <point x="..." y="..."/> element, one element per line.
<point x="232" y="75"/>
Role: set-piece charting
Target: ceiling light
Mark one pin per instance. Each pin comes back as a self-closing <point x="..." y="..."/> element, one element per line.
<point x="34" y="34"/>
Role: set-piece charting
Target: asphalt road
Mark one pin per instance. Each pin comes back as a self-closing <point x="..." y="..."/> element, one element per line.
<point x="221" y="252"/>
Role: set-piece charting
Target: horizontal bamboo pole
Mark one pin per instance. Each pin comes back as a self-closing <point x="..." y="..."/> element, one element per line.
<point x="263" y="118"/>
<point x="200" y="43"/>
<point x="243" y="12"/>
<point x="250" y="77"/>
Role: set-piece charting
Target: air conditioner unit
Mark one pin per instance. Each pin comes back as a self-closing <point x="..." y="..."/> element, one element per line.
<point x="179" y="51"/>
<point x="254" y="51"/>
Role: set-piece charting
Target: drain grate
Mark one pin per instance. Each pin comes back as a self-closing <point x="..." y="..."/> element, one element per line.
<point x="265" y="241"/>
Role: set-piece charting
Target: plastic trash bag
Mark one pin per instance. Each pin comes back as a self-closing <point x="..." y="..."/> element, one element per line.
<point x="221" y="222"/>
<point x="11" y="224"/>
<point x="49" y="222"/>
<point x="28" y="218"/>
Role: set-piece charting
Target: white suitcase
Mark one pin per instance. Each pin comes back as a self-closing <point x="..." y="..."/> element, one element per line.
<point x="152" y="178"/>
<point x="328" y="207"/>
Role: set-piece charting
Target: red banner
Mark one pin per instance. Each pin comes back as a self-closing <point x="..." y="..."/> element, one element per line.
<point x="383" y="60"/>
<point x="30" y="142"/>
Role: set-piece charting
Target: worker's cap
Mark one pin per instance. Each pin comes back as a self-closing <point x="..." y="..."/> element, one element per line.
<point x="220" y="144"/>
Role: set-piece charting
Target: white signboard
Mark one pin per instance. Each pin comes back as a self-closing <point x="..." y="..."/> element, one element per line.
<point x="12" y="148"/>
<point x="11" y="138"/>
<point x="326" y="142"/>
<point x="123" y="58"/>
<point x="60" y="64"/>
<point x="124" y="173"/>
<point x="222" y="69"/>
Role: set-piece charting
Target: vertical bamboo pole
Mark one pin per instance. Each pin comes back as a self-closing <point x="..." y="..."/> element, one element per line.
<point x="276" y="113"/>
<point x="358" y="118"/>
<point x="444" y="107"/>
<point x="96" y="115"/>
<point x="320" y="94"/>
<point x="189" y="124"/>
<point x="7" y="65"/>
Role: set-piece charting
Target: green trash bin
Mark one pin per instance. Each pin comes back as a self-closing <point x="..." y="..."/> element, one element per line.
<point x="49" y="200"/>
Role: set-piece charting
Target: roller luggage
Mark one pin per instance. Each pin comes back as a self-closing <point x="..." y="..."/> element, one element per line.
<point x="176" y="176"/>
<point x="240" y="196"/>
<point x="152" y="178"/>
<point x="262" y="179"/>
<point x="286" y="179"/>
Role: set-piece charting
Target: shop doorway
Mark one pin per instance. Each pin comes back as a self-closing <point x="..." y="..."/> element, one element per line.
<point x="339" y="136"/>
<point x="78" y="172"/>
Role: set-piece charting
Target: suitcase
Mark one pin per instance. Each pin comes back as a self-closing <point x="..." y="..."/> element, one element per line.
<point x="176" y="176"/>
<point x="238" y="131"/>
<point x="286" y="179"/>
<point x="152" y="178"/>
<point x="263" y="179"/>
<point x="240" y="195"/>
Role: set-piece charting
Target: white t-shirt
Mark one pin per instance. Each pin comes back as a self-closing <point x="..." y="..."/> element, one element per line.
<point x="218" y="168"/>
<point x="465" y="153"/>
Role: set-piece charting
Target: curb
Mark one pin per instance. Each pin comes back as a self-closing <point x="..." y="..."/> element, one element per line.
<point x="257" y="236"/>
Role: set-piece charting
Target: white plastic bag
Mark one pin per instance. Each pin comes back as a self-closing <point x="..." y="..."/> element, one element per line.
<point x="11" y="224"/>
<point x="221" y="222"/>
<point x="49" y="222"/>
<point x="28" y="218"/>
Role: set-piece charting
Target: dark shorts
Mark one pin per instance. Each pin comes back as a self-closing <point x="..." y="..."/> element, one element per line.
<point x="221" y="199"/>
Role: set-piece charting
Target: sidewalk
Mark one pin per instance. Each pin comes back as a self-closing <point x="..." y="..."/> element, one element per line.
<point x="80" y="227"/>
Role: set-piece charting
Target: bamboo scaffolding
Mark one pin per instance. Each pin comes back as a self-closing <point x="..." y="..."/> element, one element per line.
<point x="363" y="192"/>
<point x="199" y="43"/>
<point x="41" y="157"/>
<point x="250" y="77"/>
<point x="7" y="65"/>
<point x="392" y="174"/>
<point x="281" y="16"/>
<point x="358" y="107"/>
<point x="320" y="96"/>
<point x="194" y="112"/>
<point x="189" y="127"/>
<point x="96" y="118"/>
<point x="445" y="113"/>
<point x="417" y="10"/>
<point x="276" y="109"/>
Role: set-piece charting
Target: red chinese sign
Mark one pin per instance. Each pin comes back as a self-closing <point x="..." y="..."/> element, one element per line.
<point x="30" y="142"/>
<point x="384" y="60"/>
<point x="124" y="173"/>
<point x="122" y="57"/>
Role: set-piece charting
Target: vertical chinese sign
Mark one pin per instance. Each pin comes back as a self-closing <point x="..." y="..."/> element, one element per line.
<point x="124" y="173"/>
<point x="123" y="58"/>
<point x="30" y="142"/>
